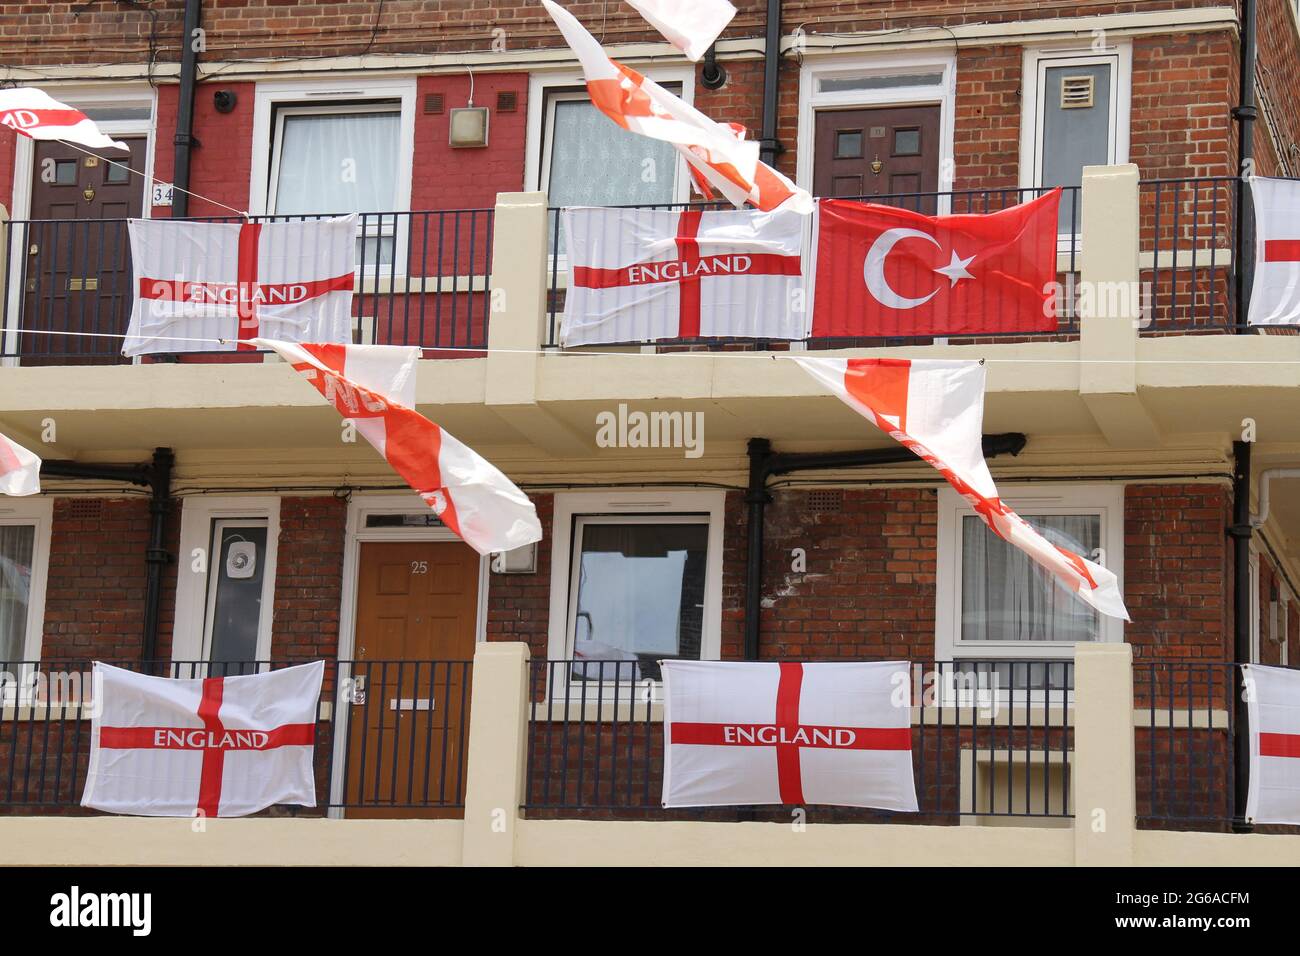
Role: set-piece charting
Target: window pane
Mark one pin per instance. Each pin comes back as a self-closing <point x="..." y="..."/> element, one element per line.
<point x="1074" y="137"/>
<point x="640" y="594"/>
<point x="892" y="82"/>
<point x="1007" y="597"/>
<point x="237" y="598"/>
<point x="338" y="163"/>
<point x="16" y="544"/>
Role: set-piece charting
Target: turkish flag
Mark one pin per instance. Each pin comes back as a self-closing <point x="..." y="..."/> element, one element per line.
<point x="884" y="271"/>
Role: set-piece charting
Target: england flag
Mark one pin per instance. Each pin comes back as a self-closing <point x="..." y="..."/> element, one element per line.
<point x="36" y="114"/>
<point x="641" y="275"/>
<point x="1273" y="708"/>
<point x="1275" y="294"/>
<point x="746" y="733"/>
<point x="20" y="469"/>
<point x="199" y="282"/>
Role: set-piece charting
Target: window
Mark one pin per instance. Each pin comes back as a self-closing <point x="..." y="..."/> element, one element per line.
<point x="1076" y="114"/>
<point x="226" y="583"/>
<point x="636" y="577"/>
<point x="993" y="602"/>
<point x="24" y="561"/>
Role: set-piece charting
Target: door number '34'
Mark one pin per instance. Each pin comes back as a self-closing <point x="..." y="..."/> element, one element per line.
<point x="419" y="567"/>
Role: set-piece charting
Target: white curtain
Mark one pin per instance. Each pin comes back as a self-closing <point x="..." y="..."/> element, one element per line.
<point x="16" y="542"/>
<point x="1006" y="597"/>
<point x="338" y="163"/>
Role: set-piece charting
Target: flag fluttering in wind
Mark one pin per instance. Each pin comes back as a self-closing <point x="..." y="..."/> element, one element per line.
<point x="719" y="155"/>
<point x="689" y="25"/>
<point x="20" y="469"/>
<point x="374" y="385"/>
<point x="935" y="408"/>
<point x="35" y="113"/>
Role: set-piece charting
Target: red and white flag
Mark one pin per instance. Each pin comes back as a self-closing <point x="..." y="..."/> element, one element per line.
<point x="883" y="271"/>
<point x="1275" y="293"/>
<point x="35" y="113"/>
<point x="20" y="469"/>
<point x="689" y="25"/>
<point x="216" y="747"/>
<point x="374" y="386"/>
<point x="640" y="275"/>
<point x="213" y="280"/>
<point x="717" y="152"/>
<point x="742" y="733"/>
<point x="1273" y="708"/>
<point x="936" y="409"/>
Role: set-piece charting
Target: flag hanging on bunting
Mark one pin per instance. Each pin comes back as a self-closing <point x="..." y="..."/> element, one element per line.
<point x="742" y="733"/>
<point x="20" y="469"/>
<point x="1275" y="292"/>
<point x="640" y="275"/>
<point x="215" y="747"/>
<point x="1273" y="708"/>
<point x="936" y="409"/>
<point x="718" y="153"/>
<point x="204" y="281"/>
<point x="884" y="271"/>
<point x="689" y="25"/>
<point x="374" y="385"/>
<point x="35" y="113"/>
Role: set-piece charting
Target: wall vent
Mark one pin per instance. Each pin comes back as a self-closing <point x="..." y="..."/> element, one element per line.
<point x="433" y="102"/>
<point x="507" y="101"/>
<point x="1077" y="92"/>
<point x="85" y="509"/>
<point x="826" y="499"/>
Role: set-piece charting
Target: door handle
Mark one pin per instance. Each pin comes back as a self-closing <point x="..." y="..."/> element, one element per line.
<point x="410" y="703"/>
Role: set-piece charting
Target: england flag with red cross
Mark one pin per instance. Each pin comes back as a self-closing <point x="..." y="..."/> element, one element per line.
<point x="1273" y="708"/>
<point x="745" y="733"/>
<point x="197" y="282"/>
<point x="641" y="275"/>
<point x="215" y="747"/>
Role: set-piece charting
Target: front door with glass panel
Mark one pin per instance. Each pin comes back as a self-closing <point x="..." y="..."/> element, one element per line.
<point x="237" y="586"/>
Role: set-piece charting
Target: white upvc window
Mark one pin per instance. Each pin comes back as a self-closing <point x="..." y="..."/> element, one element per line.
<point x="24" y="568"/>
<point x="993" y="603"/>
<point x="225" y="591"/>
<point x="1075" y="113"/>
<point x="636" y="577"/>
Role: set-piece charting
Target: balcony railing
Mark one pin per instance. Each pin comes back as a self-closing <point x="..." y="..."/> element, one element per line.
<point x="391" y="736"/>
<point x="990" y="739"/>
<point x="422" y="279"/>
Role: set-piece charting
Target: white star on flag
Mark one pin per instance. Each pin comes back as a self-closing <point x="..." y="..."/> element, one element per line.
<point x="956" y="270"/>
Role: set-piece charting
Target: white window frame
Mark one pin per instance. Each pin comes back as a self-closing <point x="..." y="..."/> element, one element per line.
<point x="37" y="513"/>
<point x="651" y="505"/>
<point x="1105" y="500"/>
<point x="190" y="639"/>
<point x="943" y="94"/>
<point x="1255" y="610"/>
<point x="1119" y="56"/>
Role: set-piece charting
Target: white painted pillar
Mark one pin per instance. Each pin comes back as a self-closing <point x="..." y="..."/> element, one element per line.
<point x="1104" y="776"/>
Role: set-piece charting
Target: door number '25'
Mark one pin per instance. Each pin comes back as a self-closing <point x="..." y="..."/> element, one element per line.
<point x="419" y="567"/>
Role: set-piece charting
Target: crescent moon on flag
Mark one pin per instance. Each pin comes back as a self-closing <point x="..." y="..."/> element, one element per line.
<point x="873" y="270"/>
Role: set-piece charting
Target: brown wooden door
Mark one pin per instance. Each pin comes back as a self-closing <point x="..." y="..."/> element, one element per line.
<point x="887" y="152"/>
<point x="77" y="274"/>
<point x="417" y="610"/>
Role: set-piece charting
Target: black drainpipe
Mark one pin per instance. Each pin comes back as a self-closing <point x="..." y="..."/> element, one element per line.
<point x="764" y="463"/>
<point x="1245" y="114"/>
<point x="1240" y="532"/>
<point x="769" y="145"/>
<point x="184" y="138"/>
<point x="156" y="476"/>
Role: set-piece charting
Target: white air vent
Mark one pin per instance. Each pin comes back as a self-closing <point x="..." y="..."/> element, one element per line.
<point x="1077" y="92"/>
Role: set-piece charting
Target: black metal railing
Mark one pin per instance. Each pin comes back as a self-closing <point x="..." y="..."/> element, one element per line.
<point x="1188" y="273"/>
<point x="422" y="278"/>
<point x="390" y="739"/>
<point x="990" y="739"/>
<point x="930" y="203"/>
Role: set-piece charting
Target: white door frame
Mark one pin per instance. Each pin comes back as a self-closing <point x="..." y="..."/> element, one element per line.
<point x="357" y="534"/>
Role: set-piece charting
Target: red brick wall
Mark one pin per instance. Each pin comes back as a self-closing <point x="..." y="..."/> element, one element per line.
<point x="220" y="167"/>
<point x="309" y="578"/>
<point x="1277" y="90"/>
<point x="519" y="605"/>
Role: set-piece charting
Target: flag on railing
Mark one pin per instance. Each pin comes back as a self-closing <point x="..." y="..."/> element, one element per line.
<point x="1273" y="708"/>
<point x="1275" y="292"/>
<point x="218" y="746"/>
<point x="887" y="271"/>
<point x="374" y="386"/>
<point x="742" y="733"/>
<point x="640" y="275"/>
<point x="717" y="152"/>
<point x="936" y="409"/>
<point x="35" y="113"/>
<point x="689" y="25"/>
<point x="197" y="282"/>
<point x="20" y="469"/>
